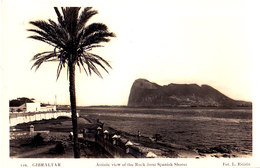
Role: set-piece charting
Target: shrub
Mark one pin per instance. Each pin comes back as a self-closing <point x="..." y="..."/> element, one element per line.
<point x="37" y="140"/>
<point x="59" y="148"/>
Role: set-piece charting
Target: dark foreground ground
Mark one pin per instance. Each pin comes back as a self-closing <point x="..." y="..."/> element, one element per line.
<point x="54" y="141"/>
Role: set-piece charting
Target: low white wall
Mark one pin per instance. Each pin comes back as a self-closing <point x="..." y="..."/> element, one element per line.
<point x="36" y="117"/>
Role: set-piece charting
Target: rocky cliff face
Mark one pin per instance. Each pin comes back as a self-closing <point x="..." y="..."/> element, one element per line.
<point x="146" y="93"/>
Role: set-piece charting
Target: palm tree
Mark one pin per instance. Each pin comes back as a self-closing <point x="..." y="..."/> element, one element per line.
<point x="72" y="40"/>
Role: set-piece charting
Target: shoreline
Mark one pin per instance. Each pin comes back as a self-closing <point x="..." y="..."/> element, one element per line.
<point x="59" y="130"/>
<point x="66" y="107"/>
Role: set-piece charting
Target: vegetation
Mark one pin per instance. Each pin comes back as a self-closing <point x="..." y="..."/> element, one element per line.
<point x="37" y="140"/>
<point x="19" y="101"/>
<point x="72" y="40"/>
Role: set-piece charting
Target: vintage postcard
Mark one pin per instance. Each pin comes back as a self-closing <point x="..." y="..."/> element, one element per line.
<point x="139" y="84"/>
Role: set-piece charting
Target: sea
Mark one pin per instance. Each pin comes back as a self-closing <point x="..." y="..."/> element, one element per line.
<point x="192" y="128"/>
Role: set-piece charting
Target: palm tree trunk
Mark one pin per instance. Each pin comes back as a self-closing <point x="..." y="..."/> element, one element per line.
<point x="73" y="109"/>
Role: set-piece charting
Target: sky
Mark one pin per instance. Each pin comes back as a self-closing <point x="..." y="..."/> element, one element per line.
<point x="167" y="41"/>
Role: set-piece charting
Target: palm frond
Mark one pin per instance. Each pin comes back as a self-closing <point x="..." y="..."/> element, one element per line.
<point x="47" y="38"/>
<point x="99" y="58"/>
<point x="91" y="60"/>
<point x="40" y="38"/>
<point x="90" y="47"/>
<point x="88" y="65"/>
<point x="94" y="69"/>
<point x="62" y="62"/>
<point x="60" y="66"/>
<point x="90" y="29"/>
<point x="43" y="58"/>
<point x="83" y="65"/>
<point x="97" y="37"/>
<point x="44" y="26"/>
<point x="96" y="61"/>
<point x="61" y="33"/>
<point x="37" y="56"/>
<point x="60" y="18"/>
<point x="49" y="31"/>
<point x="84" y="17"/>
<point x="94" y="27"/>
<point x="70" y="15"/>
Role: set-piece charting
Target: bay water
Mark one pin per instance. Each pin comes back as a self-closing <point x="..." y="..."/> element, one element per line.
<point x="190" y="127"/>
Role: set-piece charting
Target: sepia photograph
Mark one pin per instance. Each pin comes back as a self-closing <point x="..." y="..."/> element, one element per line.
<point x="130" y="83"/>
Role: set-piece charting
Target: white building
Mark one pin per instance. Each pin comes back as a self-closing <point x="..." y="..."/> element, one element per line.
<point x="33" y="107"/>
<point x="29" y="105"/>
<point x="48" y="108"/>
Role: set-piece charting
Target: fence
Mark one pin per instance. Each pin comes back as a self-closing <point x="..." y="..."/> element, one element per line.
<point x="115" y="149"/>
<point x="18" y="118"/>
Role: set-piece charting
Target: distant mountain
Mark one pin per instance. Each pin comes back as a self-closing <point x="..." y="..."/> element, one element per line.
<point x="146" y="93"/>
